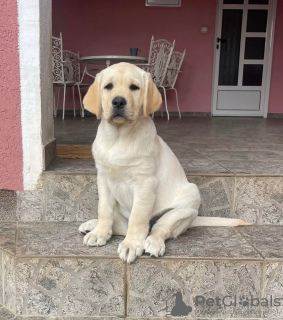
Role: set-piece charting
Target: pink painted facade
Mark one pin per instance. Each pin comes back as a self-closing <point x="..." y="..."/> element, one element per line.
<point x="112" y="27"/>
<point x="276" y="86"/>
<point x="11" y="162"/>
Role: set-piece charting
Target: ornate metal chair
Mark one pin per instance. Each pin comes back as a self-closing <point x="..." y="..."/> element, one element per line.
<point x="72" y="72"/>
<point x="66" y="73"/>
<point x="159" y="56"/>
<point x="171" y="75"/>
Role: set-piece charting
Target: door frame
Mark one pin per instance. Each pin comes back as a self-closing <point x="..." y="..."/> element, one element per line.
<point x="267" y="75"/>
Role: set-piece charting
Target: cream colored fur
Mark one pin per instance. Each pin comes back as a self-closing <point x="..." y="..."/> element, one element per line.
<point x="138" y="176"/>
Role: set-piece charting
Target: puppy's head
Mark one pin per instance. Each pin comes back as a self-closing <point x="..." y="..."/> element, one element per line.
<point x="122" y="93"/>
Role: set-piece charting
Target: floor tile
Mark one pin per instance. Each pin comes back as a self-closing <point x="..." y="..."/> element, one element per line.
<point x="268" y="240"/>
<point x="205" y="145"/>
<point x="9" y="282"/>
<point x="6" y="314"/>
<point x="216" y="195"/>
<point x="70" y="287"/>
<point x="30" y="205"/>
<point x="250" y="155"/>
<point x="8" y="237"/>
<point x="210" y="242"/>
<point x="59" y="239"/>
<point x="153" y="286"/>
<point x="273" y="287"/>
<point x="8" y="205"/>
<point x="70" y="197"/>
<point x="1" y="280"/>
<point x="54" y="240"/>
<point x="72" y="166"/>
<point x="248" y="167"/>
<point x="202" y="166"/>
<point x="259" y="199"/>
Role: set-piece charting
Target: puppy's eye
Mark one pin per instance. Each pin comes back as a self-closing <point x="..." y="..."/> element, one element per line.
<point x="134" y="87"/>
<point x="109" y="86"/>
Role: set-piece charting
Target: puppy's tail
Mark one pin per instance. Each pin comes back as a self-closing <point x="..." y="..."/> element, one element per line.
<point x="218" y="222"/>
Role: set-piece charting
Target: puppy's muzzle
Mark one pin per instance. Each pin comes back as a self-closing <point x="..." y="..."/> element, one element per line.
<point x="119" y="104"/>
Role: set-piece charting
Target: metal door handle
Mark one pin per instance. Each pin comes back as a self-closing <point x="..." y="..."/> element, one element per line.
<point x="221" y="40"/>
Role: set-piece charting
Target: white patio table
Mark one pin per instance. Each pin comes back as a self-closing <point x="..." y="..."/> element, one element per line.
<point x="108" y="60"/>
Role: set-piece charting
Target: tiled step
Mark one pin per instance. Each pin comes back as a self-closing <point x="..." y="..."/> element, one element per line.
<point x="69" y="193"/>
<point x="46" y="271"/>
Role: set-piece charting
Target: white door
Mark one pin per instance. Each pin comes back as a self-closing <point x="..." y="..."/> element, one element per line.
<point x="243" y="57"/>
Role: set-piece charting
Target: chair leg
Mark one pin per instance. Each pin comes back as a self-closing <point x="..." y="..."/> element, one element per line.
<point x="165" y="102"/>
<point x="82" y="110"/>
<point x="74" y="103"/>
<point x="58" y="99"/>
<point x="176" y="93"/>
<point x="64" y="99"/>
<point x="161" y="112"/>
<point x="54" y="101"/>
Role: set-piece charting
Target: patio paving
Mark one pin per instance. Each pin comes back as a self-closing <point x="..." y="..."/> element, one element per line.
<point x="51" y="273"/>
<point x="222" y="146"/>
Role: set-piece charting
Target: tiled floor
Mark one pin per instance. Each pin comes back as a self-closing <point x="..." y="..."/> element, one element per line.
<point x="242" y="243"/>
<point x="221" y="146"/>
<point x="54" y="274"/>
<point x="205" y="242"/>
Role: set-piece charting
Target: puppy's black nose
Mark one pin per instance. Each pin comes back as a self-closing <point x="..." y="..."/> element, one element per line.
<point x="119" y="102"/>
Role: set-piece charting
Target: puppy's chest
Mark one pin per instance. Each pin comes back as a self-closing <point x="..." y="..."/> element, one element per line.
<point x="121" y="186"/>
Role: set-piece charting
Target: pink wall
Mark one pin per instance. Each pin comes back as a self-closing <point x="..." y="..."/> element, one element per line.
<point x="11" y="166"/>
<point x="112" y="27"/>
<point x="276" y="86"/>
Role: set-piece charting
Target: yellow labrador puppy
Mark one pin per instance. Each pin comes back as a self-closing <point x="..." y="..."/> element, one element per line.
<point x="143" y="190"/>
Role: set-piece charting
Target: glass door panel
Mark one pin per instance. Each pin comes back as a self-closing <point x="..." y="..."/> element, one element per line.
<point x="257" y="20"/>
<point x="233" y="1"/>
<point x="230" y="47"/>
<point x="258" y="1"/>
<point x="252" y="75"/>
<point x="254" y="48"/>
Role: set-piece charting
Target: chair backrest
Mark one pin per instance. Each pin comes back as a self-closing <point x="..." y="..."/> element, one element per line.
<point x="159" y="57"/>
<point x="71" y="66"/>
<point x="57" y="59"/>
<point x="173" y="69"/>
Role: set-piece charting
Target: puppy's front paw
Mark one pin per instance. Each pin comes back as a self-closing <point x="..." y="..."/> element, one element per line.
<point x="96" y="238"/>
<point x="129" y="249"/>
<point x="155" y="246"/>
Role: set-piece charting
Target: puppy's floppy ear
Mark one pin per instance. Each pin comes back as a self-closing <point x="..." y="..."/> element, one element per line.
<point x="92" y="100"/>
<point x="152" y="97"/>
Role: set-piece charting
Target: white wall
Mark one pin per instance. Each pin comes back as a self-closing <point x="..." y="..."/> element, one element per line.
<point x="35" y="29"/>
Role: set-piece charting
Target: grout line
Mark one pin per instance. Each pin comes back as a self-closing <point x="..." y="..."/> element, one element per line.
<point x="262" y="284"/>
<point x="228" y="174"/>
<point x="249" y="241"/>
<point x="234" y="198"/>
<point x="145" y="258"/>
<point x="126" y="290"/>
<point x="3" y="276"/>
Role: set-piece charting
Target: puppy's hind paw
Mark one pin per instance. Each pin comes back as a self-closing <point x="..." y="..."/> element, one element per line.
<point x="88" y="226"/>
<point x="154" y="246"/>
